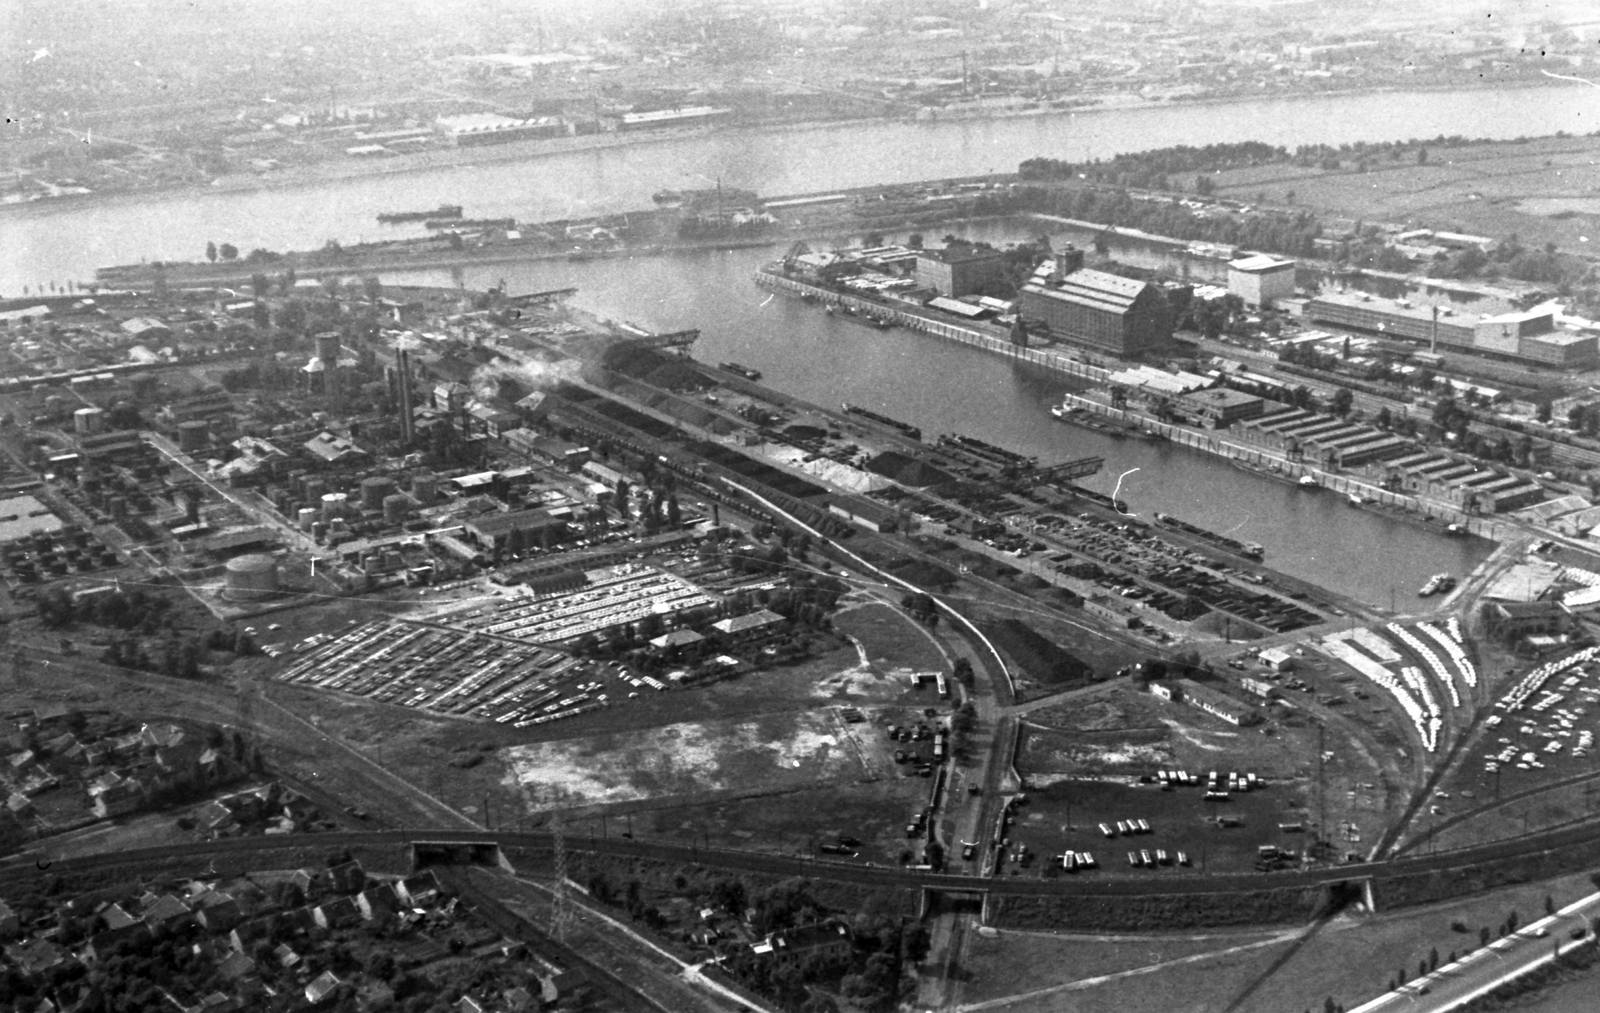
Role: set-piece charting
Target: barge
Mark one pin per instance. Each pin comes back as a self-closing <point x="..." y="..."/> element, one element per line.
<point x="1248" y="550"/>
<point x="469" y="223"/>
<point x="442" y="211"/>
<point x="883" y="420"/>
<point x="744" y="371"/>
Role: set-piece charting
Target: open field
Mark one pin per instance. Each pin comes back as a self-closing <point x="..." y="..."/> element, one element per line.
<point x="1541" y="189"/>
<point x="892" y="641"/>
<point x="1020" y="962"/>
<point x="693" y="758"/>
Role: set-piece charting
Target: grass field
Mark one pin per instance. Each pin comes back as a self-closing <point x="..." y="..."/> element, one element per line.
<point x="1542" y="189"/>
<point x="892" y="641"/>
<point x="1021" y="962"/>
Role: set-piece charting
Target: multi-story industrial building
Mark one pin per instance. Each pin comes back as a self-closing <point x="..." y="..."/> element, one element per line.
<point x="959" y="269"/>
<point x="1526" y="336"/>
<point x="1104" y="312"/>
<point x="1260" y="280"/>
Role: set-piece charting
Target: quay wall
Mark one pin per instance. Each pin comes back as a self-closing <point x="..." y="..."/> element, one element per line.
<point x="1264" y="461"/>
<point x="907" y="318"/>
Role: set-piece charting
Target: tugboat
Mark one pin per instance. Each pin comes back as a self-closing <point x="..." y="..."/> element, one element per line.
<point x="1439" y="583"/>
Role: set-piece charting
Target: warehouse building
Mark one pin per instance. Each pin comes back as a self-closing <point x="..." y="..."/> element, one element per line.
<point x="1524" y="336"/>
<point x="1217" y="408"/>
<point x="959" y="269"/>
<point x="1103" y="312"/>
<point x="1261" y="280"/>
<point x="472" y="129"/>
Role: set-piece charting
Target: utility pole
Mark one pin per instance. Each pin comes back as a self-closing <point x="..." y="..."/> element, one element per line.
<point x="559" y="911"/>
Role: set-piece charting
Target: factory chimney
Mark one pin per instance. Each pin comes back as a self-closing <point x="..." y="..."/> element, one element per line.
<point x="1433" y="342"/>
<point x="406" y="420"/>
<point x="328" y="351"/>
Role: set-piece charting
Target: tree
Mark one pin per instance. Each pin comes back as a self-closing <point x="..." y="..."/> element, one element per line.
<point x="211" y="252"/>
<point x="1342" y="401"/>
<point x="228" y="251"/>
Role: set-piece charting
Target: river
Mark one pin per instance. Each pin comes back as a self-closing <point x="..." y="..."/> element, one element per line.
<point x="939" y="386"/>
<point x="40" y="244"/>
<point x="944" y="387"/>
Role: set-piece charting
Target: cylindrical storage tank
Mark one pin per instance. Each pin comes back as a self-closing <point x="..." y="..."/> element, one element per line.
<point x="374" y="490"/>
<point x="328" y="347"/>
<point x="308" y="517"/>
<point x="192" y="435"/>
<point x="314" y="489"/>
<point x="425" y="486"/>
<point x="396" y="508"/>
<point x="251" y="578"/>
<point x="333" y="505"/>
<point x="319" y="531"/>
<point x="55" y="404"/>
<point x="88" y="420"/>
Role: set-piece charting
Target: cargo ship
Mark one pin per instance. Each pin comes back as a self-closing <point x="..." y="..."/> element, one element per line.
<point x="1439" y="583"/>
<point x="469" y="223"/>
<point x="883" y="420"/>
<point x="744" y="371"/>
<point x="1106" y="424"/>
<point x="1248" y="550"/>
<point x="442" y="211"/>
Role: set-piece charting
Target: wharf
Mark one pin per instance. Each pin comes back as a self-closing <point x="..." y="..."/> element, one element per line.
<point x="1272" y="466"/>
<point x="915" y="320"/>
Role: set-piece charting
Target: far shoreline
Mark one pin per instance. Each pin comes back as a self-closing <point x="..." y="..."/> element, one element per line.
<point x="336" y="171"/>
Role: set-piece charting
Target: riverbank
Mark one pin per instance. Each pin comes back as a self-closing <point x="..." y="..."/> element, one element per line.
<point x="407" y="164"/>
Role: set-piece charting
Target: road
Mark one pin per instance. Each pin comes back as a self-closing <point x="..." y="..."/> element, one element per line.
<point x="1483" y="970"/>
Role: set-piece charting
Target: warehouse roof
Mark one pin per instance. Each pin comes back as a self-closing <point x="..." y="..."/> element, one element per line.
<point x="1260" y="262"/>
<point x="1096" y="289"/>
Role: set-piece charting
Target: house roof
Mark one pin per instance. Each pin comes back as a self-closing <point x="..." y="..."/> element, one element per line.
<point x="755" y="620"/>
<point x="677" y="638"/>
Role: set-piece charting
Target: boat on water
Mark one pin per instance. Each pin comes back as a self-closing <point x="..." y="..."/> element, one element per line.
<point x="904" y="428"/>
<point x="457" y="222"/>
<point x="1455" y="529"/>
<point x="1439" y="583"/>
<point x="1307" y="482"/>
<point x="744" y="371"/>
<point x="442" y="211"/>
<point x="1356" y="499"/>
<point x="1249" y="550"/>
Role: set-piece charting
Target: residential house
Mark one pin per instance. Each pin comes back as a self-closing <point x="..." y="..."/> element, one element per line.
<point x="20" y="806"/>
<point x="322" y="988"/>
<point x="236" y="966"/>
<point x="218" y="912"/>
<point x="419" y="890"/>
<point x="167" y="910"/>
<point x="747" y="625"/>
<point x="119" y="799"/>
<point x="286" y="955"/>
<point x="37" y="956"/>
<point x="346" y="877"/>
<point x="378" y="903"/>
<point x="337" y="913"/>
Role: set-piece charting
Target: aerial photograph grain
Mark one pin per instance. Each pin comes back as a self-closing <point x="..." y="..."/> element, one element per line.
<point x="799" y="506"/>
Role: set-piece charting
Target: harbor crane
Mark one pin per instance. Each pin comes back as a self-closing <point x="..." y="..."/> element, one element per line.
<point x="1068" y="470"/>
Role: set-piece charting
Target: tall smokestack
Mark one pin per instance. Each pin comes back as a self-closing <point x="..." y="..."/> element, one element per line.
<point x="1433" y="342"/>
<point x="406" y="421"/>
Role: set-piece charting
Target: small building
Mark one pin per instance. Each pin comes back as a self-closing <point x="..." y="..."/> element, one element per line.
<point x="1105" y="607"/>
<point x="677" y="638"/>
<point x="1259" y="687"/>
<point x="322" y="988"/>
<point x="1260" y="280"/>
<point x="747" y="625"/>
<point x="824" y="943"/>
<point x="1512" y="619"/>
<point x="1218" y="704"/>
<point x="1218" y="408"/>
<point x="1279" y="659"/>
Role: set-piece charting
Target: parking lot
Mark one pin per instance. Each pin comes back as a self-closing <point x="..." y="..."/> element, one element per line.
<point x="1548" y="734"/>
<point x="1129" y="828"/>
<point x="610" y="597"/>
<point x="459" y="672"/>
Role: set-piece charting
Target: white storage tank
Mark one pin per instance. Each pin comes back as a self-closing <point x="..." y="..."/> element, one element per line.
<point x="333" y="505"/>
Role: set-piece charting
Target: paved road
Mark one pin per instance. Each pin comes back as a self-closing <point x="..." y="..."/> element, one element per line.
<point x="1484" y="970"/>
